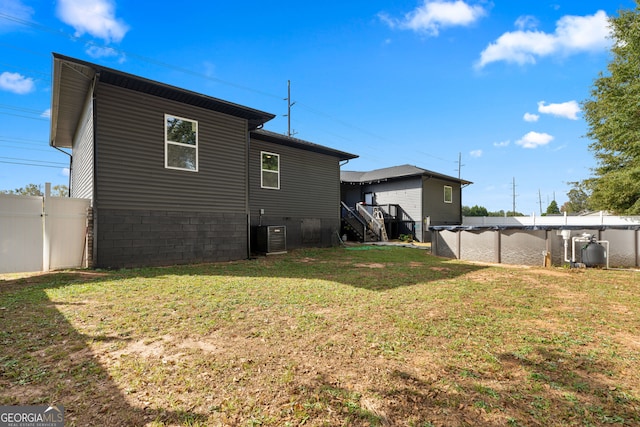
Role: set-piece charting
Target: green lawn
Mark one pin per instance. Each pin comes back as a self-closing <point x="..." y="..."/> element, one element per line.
<point x="383" y="336"/>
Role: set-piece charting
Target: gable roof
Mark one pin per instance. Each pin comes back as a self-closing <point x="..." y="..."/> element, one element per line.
<point x="74" y="78"/>
<point x="276" y="138"/>
<point x="394" y="172"/>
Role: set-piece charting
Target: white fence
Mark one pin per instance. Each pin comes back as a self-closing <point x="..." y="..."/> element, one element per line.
<point x="42" y="233"/>
<point x="596" y="220"/>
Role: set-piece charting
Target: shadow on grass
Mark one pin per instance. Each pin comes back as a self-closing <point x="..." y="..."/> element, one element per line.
<point x="574" y="383"/>
<point x="568" y="395"/>
<point x="44" y="360"/>
<point x="375" y="268"/>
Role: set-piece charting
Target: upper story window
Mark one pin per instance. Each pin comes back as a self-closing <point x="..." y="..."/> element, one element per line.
<point x="270" y="165"/>
<point x="180" y="143"/>
<point x="448" y="194"/>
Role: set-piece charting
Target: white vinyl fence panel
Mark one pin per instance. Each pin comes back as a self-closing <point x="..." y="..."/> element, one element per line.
<point x="41" y="233"/>
<point x="65" y="232"/>
<point x="21" y="233"/>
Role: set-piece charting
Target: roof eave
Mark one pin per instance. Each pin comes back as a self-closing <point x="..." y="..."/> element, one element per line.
<point x="267" y="136"/>
<point x="65" y="113"/>
<point x="77" y="77"/>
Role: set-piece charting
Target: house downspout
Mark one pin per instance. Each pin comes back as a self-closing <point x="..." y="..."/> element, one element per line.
<point x="424" y="219"/>
<point x="70" y="166"/>
<point x="94" y="210"/>
<point x="247" y="206"/>
<point x="461" y="187"/>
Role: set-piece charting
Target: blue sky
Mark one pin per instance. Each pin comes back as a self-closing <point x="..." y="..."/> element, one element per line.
<point x="495" y="83"/>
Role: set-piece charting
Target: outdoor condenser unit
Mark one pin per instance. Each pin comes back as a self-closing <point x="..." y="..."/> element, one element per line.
<point x="271" y="239"/>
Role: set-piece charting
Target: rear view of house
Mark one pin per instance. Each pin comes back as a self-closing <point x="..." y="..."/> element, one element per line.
<point x="179" y="177"/>
<point x="406" y="195"/>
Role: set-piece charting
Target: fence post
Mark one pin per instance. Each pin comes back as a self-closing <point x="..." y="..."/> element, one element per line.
<point x="46" y="229"/>
<point x="88" y="257"/>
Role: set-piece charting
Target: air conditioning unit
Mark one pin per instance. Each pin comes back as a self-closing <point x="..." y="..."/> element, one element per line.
<point x="271" y="239"/>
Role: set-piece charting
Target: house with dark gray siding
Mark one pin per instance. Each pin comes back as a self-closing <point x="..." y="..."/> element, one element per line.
<point x="179" y="177"/>
<point x="421" y="196"/>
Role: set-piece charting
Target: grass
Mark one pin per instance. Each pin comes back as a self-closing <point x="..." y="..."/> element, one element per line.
<point x="386" y="336"/>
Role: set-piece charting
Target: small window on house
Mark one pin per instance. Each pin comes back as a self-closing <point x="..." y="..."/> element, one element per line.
<point x="448" y="194"/>
<point x="180" y="143"/>
<point x="270" y="164"/>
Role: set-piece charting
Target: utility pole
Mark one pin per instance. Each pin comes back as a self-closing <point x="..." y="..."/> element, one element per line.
<point x="289" y="105"/>
<point x="460" y="165"/>
<point x="514" y="196"/>
<point x="540" y="201"/>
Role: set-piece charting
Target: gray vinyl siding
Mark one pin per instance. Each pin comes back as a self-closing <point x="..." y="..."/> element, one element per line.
<point x="131" y="173"/>
<point x="439" y="212"/>
<point x="404" y="192"/>
<point x="82" y="163"/>
<point x="309" y="183"/>
<point x="407" y="193"/>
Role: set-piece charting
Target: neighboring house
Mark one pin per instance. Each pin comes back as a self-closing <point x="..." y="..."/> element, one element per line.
<point x="426" y="197"/>
<point x="179" y="177"/>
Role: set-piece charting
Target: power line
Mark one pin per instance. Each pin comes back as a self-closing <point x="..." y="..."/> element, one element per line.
<point x="34" y="161"/>
<point x="4" y="138"/>
<point x="46" y="77"/>
<point x="25" y="148"/>
<point x="177" y="68"/>
<point x="187" y="71"/>
<point x="24" y="117"/>
<point x="20" y="48"/>
<point x="32" y="164"/>
<point x="37" y="26"/>
<point x="22" y="109"/>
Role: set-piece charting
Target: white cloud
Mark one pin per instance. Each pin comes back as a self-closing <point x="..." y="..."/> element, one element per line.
<point x="434" y="15"/>
<point x="15" y="9"/>
<point x="209" y="68"/>
<point x="529" y="117"/>
<point x="100" y="51"/>
<point x="527" y="21"/>
<point x="534" y="140"/>
<point x="66" y="172"/>
<point x="501" y="144"/>
<point x="584" y="32"/>
<point x="16" y="83"/>
<point x="475" y="153"/>
<point x="94" y="17"/>
<point x="46" y="113"/>
<point x="573" y="34"/>
<point x="568" y="110"/>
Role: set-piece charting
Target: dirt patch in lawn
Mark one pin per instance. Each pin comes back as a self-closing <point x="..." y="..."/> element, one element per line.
<point x="297" y="340"/>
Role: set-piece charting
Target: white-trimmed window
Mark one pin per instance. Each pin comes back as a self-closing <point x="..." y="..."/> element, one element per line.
<point x="270" y="166"/>
<point x="448" y="194"/>
<point x="180" y="143"/>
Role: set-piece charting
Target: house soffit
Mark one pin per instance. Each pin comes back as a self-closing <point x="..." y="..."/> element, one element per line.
<point x="71" y="85"/>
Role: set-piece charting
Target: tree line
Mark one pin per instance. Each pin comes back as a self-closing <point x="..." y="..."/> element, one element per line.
<point x="60" y="190"/>
<point x="612" y="114"/>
